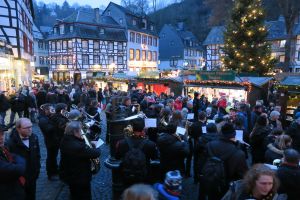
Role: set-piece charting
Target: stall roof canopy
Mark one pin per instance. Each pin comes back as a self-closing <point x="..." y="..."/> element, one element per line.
<point x="257" y="81"/>
<point x="291" y="80"/>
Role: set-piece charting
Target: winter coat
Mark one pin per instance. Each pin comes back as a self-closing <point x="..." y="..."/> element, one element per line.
<point x="41" y="98"/>
<point x="51" y="98"/>
<point x="31" y="154"/>
<point x="271" y="154"/>
<point x="172" y="152"/>
<point x="289" y="177"/>
<point x="18" y="104"/>
<point x="63" y="98"/>
<point x="257" y="138"/>
<point x="294" y="132"/>
<point x="59" y="122"/>
<point x="178" y="105"/>
<point x="75" y="164"/>
<point x="236" y="165"/>
<point x="4" y="103"/>
<point x="10" y="186"/>
<point x="48" y="130"/>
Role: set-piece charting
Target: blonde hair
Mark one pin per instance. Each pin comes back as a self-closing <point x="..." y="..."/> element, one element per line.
<point x="139" y="192"/>
<point x="282" y="141"/>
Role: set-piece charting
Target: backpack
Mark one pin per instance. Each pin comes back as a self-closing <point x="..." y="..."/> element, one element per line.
<point x="213" y="173"/>
<point x="134" y="164"/>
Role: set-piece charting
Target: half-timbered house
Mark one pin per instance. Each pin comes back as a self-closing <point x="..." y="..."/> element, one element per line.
<point x="142" y="38"/>
<point x="86" y="43"/>
<point x="16" y="20"/>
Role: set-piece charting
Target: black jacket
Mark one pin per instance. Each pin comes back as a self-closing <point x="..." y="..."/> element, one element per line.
<point x="257" y="142"/>
<point x="59" y="122"/>
<point x="289" y="177"/>
<point x="41" y="98"/>
<point x="294" y="132"/>
<point x="196" y="129"/>
<point x="75" y="164"/>
<point x="271" y="155"/>
<point x="172" y="152"/>
<point x="31" y="154"/>
<point x="149" y="148"/>
<point x="236" y="165"/>
<point x="4" y="103"/>
<point x="18" y="104"/>
<point x="10" y="187"/>
<point x="48" y="130"/>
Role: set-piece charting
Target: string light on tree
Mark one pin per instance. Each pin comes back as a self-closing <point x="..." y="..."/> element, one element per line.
<point x="245" y="48"/>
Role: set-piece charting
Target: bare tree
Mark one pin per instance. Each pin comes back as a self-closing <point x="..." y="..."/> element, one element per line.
<point x="220" y="10"/>
<point x="290" y="9"/>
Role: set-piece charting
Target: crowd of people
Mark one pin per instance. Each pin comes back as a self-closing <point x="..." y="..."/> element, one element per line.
<point x="226" y="147"/>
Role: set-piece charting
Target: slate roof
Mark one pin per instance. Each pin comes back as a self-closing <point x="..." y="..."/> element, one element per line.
<point x="276" y="30"/>
<point x="291" y="80"/>
<point x="86" y="26"/>
<point x="131" y="15"/>
<point x="215" y="36"/>
<point x="37" y="34"/>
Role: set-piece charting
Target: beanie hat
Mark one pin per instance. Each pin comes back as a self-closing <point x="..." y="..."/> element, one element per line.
<point x="228" y="130"/>
<point x="74" y="114"/>
<point x="173" y="182"/>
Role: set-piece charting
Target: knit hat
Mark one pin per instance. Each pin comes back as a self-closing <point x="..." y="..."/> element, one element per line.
<point x="228" y="130"/>
<point x="173" y="182"/>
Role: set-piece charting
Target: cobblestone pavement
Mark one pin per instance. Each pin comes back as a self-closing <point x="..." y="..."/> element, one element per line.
<point x="101" y="183"/>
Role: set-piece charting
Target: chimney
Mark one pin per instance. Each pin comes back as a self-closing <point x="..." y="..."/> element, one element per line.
<point x="97" y="15"/>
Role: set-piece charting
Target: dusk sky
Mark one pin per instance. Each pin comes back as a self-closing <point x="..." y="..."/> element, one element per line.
<point x="92" y="3"/>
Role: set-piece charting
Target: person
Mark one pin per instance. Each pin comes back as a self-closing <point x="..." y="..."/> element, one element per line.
<point x="275" y="150"/>
<point x="289" y="174"/>
<point x="227" y="149"/>
<point x="51" y="141"/>
<point x="139" y="192"/>
<point x="274" y="120"/>
<point x="75" y="163"/>
<point x="4" y="106"/>
<point x="259" y="183"/>
<point x="12" y="170"/>
<point x="173" y="150"/>
<point x="196" y="104"/>
<point x="171" y="188"/>
<point x="257" y="139"/>
<point x="25" y="143"/>
<point x="17" y="106"/>
<point x="257" y="111"/>
<point x="136" y="139"/>
<point x="294" y="132"/>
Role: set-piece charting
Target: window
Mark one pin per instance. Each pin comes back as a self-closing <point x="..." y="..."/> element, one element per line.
<point x="155" y="42"/>
<point x="70" y="60"/>
<point x="65" y="60"/>
<point x="101" y="31"/>
<point x="52" y="46"/>
<point x="71" y="29"/>
<point x="58" y="60"/>
<point x="144" y="39"/>
<point x="110" y="59"/>
<point x="131" y="54"/>
<point x="85" y="59"/>
<point x="120" y="60"/>
<point x="134" y="22"/>
<point x="151" y="27"/>
<point x="214" y="52"/>
<point x="150" y="40"/>
<point x="47" y="60"/>
<point x="53" y="60"/>
<point x="46" y="45"/>
<point x="144" y="23"/>
<point x="41" y="59"/>
<point x="299" y="54"/>
<point x="281" y="58"/>
<point x="54" y="30"/>
<point x="96" y="46"/>
<point x="62" y="29"/>
<point x="138" y="38"/>
<point x="121" y="21"/>
<point x="34" y="58"/>
<point x="108" y="12"/>
<point x="70" y="44"/>
<point x="25" y="43"/>
<point x="186" y="52"/>
<point x="110" y="46"/>
<point x="131" y="39"/>
<point x="58" y="47"/>
<point x="154" y="56"/>
<point x="143" y="55"/>
<point x="120" y="46"/>
<point x="30" y="47"/>
<point x="85" y="45"/>
<point x="282" y="43"/>
<point x="65" y="45"/>
<point x="137" y="54"/>
<point x="149" y="56"/>
<point x="96" y="59"/>
<point x="40" y="44"/>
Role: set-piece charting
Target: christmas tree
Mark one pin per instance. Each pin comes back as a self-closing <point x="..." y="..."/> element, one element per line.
<point x="245" y="48"/>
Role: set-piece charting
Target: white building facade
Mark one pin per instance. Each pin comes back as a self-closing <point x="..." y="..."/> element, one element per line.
<point x="16" y="23"/>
